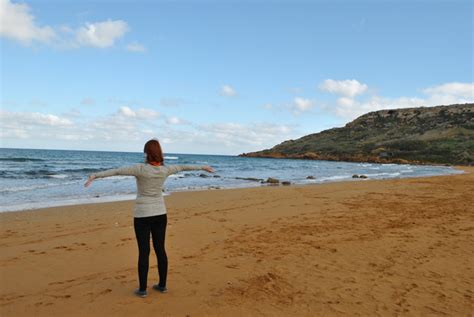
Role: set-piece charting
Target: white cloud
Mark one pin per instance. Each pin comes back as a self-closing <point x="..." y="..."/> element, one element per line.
<point x="350" y="108"/>
<point x="460" y="90"/>
<point x="18" y="23"/>
<point x="142" y="113"/>
<point x="101" y="34"/>
<point x="136" y="47"/>
<point x="127" y="112"/>
<point x="347" y="88"/>
<point x="445" y="94"/>
<point x="345" y="102"/>
<point x="128" y="129"/>
<point x="228" y="91"/>
<point x="300" y="105"/>
<point x="176" y="121"/>
<point x="22" y="125"/>
<point x="231" y="136"/>
<point x="35" y="118"/>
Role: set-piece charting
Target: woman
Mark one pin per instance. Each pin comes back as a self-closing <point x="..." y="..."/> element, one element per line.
<point x="150" y="210"/>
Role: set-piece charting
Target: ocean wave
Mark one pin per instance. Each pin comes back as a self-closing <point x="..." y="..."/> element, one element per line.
<point x="171" y="158"/>
<point x="334" y="178"/>
<point x="67" y="202"/>
<point x="7" y="174"/>
<point x="176" y="176"/>
<point x="20" y="159"/>
<point x="40" y="173"/>
<point x="83" y="170"/>
<point x="34" y="174"/>
<point x="383" y="174"/>
<point x="34" y="187"/>
<point x="46" y="173"/>
<point x="59" y="176"/>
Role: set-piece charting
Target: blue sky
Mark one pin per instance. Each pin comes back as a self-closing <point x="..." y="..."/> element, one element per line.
<point x="221" y="77"/>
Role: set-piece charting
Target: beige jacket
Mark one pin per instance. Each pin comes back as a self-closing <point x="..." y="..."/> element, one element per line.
<point x="150" y="181"/>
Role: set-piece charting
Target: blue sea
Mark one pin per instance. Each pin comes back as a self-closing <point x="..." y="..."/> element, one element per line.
<point x="42" y="178"/>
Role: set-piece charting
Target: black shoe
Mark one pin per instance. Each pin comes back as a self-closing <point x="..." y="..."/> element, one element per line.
<point x="140" y="293"/>
<point x="161" y="289"/>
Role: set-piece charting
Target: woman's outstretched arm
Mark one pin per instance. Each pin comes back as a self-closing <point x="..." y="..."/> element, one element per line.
<point x="172" y="169"/>
<point x="125" y="171"/>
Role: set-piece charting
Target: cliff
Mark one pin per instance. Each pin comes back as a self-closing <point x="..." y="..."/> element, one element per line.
<point x="431" y="135"/>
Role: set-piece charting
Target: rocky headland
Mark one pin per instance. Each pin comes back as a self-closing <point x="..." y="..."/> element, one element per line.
<point x="423" y="135"/>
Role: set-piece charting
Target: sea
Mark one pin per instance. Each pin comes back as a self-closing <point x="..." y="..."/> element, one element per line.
<point x="31" y="178"/>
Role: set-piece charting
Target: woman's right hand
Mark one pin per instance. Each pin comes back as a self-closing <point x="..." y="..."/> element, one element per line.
<point x="89" y="181"/>
<point x="208" y="169"/>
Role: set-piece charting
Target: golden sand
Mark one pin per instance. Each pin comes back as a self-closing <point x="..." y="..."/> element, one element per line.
<point x="362" y="248"/>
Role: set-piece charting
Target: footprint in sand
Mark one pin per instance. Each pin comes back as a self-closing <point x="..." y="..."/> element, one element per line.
<point x="105" y="291"/>
<point x="61" y="296"/>
<point x="119" y="277"/>
<point x="232" y="266"/>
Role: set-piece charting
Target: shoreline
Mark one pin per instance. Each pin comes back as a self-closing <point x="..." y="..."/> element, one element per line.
<point x="386" y="247"/>
<point x="131" y="197"/>
<point x="366" y="159"/>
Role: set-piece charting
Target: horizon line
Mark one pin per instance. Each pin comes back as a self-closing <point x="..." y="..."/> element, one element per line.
<point x="112" y="151"/>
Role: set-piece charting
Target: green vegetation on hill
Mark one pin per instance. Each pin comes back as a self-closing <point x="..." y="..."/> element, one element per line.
<point x="439" y="135"/>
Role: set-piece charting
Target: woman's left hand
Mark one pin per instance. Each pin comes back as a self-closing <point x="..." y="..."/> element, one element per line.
<point x="208" y="169"/>
<point x="89" y="181"/>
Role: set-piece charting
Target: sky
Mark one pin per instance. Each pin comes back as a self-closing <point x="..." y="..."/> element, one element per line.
<point x="221" y="77"/>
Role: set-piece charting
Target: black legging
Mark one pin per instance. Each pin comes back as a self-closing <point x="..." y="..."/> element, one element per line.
<point x="157" y="226"/>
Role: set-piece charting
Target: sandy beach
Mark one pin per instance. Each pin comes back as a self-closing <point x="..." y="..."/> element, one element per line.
<point x="363" y="248"/>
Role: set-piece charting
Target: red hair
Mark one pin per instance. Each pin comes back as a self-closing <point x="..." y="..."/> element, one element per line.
<point x="153" y="152"/>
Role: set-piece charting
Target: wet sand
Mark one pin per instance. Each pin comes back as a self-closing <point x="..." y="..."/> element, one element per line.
<point x="363" y="248"/>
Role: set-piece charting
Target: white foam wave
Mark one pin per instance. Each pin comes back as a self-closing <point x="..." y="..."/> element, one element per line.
<point x="176" y="176"/>
<point x="38" y="186"/>
<point x="171" y="158"/>
<point x="383" y="174"/>
<point x="58" y="176"/>
<point x="67" y="202"/>
<point x="334" y="178"/>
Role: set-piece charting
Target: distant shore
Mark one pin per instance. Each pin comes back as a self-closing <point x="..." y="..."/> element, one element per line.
<point x="387" y="247"/>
